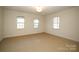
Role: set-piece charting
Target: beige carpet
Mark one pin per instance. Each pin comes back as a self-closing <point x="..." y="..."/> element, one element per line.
<point x="41" y="42"/>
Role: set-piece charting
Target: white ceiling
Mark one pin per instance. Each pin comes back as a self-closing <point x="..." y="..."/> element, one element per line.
<point x="31" y="9"/>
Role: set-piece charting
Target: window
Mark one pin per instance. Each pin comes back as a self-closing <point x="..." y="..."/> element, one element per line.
<point x="20" y="22"/>
<point x="36" y="23"/>
<point x="56" y="22"/>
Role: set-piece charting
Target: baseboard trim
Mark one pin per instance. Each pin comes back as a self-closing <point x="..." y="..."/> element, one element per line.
<point x="38" y="33"/>
<point x="21" y="35"/>
<point x="63" y="37"/>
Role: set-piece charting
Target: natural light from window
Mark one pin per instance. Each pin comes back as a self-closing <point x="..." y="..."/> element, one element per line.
<point x="20" y="22"/>
<point x="36" y="23"/>
<point x="56" y="21"/>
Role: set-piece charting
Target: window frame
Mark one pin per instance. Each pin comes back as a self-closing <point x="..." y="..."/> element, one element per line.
<point x="57" y="24"/>
<point x="36" y="23"/>
<point x="20" y="25"/>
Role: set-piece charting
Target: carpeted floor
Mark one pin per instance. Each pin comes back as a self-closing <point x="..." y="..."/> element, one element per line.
<point x="41" y="42"/>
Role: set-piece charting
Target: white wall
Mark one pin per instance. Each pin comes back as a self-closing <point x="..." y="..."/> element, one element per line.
<point x="10" y="28"/>
<point x="0" y="23"/>
<point x="69" y="24"/>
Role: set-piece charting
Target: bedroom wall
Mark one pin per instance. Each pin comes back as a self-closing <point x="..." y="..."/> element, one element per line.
<point x="1" y="23"/>
<point x="69" y="24"/>
<point x="10" y="28"/>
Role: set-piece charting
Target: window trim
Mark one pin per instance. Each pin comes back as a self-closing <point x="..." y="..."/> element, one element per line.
<point x="57" y="24"/>
<point x="36" y="23"/>
<point x="20" y="23"/>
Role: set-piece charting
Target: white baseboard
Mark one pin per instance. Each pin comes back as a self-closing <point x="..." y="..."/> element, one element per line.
<point x="64" y="37"/>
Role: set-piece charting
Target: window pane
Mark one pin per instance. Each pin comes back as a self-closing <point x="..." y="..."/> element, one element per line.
<point x="56" y="22"/>
<point x="20" y="19"/>
<point x="35" y="26"/>
<point x="20" y="25"/>
<point x="56" y="26"/>
<point x="20" y="22"/>
<point x="36" y="23"/>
